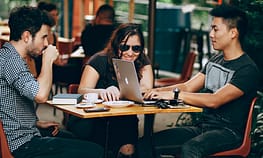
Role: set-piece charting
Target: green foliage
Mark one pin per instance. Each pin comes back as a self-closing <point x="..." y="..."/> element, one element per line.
<point x="254" y="9"/>
<point x="253" y="44"/>
<point x="180" y="2"/>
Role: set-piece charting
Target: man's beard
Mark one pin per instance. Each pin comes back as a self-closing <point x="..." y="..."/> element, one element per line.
<point x="33" y="55"/>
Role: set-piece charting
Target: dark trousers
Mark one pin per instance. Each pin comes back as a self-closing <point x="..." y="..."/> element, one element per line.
<point x="111" y="132"/>
<point x="47" y="132"/>
<point x="54" y="147"/>
<point x="191" y="142"/>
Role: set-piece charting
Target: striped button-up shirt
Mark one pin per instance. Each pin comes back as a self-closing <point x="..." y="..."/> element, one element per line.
<point x="18" y="89"/>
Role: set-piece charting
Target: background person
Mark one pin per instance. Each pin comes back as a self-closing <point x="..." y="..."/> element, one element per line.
<point x="52" y="10"/>
<point x="126" y="43"/>
<point x="96" y="35"/>
<point x="229" y="82"/>
<point x="65" y="70"/>
<point x="19" y="89"/>
<point x="52" y="37"/>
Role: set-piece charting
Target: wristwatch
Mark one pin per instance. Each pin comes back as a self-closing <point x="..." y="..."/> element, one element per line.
<point x="176" y="93"/>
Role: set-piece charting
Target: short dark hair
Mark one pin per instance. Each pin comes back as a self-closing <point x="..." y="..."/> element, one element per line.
<point x="25" y="18"/>
<point x="106" y="11"/>
<point x="48" y="19"/>
<point x="46" y="6"/>
<point x="233" y="17"/>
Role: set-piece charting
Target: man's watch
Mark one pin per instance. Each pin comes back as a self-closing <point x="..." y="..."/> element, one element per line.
<point x="176" y="93"/>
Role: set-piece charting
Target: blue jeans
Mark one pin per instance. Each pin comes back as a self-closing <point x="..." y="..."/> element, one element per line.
<point x="54" y="147"/>
<point x="192" y="142"/>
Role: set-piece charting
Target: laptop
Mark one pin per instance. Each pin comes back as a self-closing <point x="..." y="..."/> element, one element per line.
<point x="128" y="81"/>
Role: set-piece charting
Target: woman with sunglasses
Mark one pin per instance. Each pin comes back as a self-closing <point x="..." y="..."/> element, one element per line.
<point x="98" y="76"/>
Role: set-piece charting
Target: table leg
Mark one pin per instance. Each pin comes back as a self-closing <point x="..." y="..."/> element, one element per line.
<point x="106" y="140"/>
<point x="148" y="132"/>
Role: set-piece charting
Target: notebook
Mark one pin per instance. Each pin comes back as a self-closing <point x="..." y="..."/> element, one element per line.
<point x="128" y="81"/>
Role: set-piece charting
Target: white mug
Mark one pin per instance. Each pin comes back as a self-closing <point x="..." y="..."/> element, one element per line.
<point x="91" y="97"/>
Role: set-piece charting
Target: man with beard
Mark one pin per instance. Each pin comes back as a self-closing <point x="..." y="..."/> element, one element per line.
<point x="19" y="89"/>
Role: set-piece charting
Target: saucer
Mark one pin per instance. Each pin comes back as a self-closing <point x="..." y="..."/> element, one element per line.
<point x="85" y="105"/>
<point x="118" y="104"/>
<point x="96" y="102"/>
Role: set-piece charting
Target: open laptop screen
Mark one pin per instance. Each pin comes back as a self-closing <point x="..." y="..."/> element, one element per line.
<point x="127" y="80"/>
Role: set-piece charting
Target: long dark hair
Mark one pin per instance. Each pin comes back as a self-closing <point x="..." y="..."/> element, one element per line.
<point x="124" y="31"/>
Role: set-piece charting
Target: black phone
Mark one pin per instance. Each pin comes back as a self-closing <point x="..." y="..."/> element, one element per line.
<point x="96" y="109"/>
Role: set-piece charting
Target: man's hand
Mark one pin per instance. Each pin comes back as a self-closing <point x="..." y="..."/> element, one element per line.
<point x="155" y="94"/>
<point x="50" y="53"/>
<point x="47" y="124"/>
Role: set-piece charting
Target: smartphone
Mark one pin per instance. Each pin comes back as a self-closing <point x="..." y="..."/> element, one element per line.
<point x="96" y="109"/>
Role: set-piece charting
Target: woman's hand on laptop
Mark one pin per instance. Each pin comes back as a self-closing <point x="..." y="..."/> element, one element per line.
<point x="111" y="93"/>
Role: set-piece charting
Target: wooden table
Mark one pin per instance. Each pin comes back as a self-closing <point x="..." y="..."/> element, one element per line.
<point x="131" y="110"/>
<point x="149" y="113"/>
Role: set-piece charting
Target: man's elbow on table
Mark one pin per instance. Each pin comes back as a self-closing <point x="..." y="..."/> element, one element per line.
<point x="41" y="98"/>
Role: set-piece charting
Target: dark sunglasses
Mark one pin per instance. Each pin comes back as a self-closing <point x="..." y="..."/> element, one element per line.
<point x="136" y="48"/>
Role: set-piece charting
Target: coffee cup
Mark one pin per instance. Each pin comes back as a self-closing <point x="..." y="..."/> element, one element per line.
<point x="91" y="97"/>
